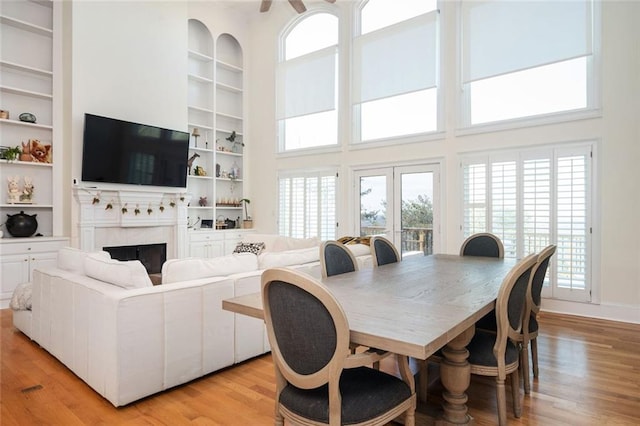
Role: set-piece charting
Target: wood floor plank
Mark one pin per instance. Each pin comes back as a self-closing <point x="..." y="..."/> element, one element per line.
<point x="589" y="375"/>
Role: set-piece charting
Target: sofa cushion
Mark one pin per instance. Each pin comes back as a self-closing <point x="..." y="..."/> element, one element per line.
<point x="176" y="270"/>
<point x="288" y="257"/>
<point x="72" y="259"/>
<point x="126" y="274"/>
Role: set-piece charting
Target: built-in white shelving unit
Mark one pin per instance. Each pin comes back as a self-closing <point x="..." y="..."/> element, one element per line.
<point x="215" y="108"/>
<point x="28" y="83"/>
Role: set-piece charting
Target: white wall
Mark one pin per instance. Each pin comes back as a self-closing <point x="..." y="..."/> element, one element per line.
<point x="616" y="281"/>
<point x="128" y="60"/>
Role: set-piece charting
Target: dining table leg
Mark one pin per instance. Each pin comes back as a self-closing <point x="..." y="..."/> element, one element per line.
<point x="455" y="375"/>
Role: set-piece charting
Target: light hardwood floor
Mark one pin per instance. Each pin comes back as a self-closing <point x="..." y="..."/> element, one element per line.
<point x="589" y="375"/>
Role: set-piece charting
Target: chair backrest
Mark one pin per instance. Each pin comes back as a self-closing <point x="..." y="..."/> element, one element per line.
<point x="539" y="272"/>
<point x="336" y="258"/>
<point x="383" y="251"/>
<point x="510" y="304"/>
<point x="482" y="244"/>
<point x="307" y="328"/>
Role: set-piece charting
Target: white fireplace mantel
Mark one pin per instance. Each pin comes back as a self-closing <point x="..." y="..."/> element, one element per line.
<point x="128" y="209"/>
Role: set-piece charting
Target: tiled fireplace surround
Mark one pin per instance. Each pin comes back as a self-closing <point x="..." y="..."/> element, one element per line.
<point x="119" y="218"/>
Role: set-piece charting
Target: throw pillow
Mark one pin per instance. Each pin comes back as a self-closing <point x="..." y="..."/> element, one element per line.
<point x="72" y="259"/>
<point x="21" y="299"/>
<point x="255" y="248"/>
<point x="126" y="274"/>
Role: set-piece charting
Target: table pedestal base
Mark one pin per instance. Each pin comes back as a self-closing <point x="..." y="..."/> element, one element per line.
<point x="455" y="374"/>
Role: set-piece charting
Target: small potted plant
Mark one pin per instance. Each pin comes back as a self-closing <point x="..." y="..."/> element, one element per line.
<point x="11" y="154"/>
<point x="247" y="223"/>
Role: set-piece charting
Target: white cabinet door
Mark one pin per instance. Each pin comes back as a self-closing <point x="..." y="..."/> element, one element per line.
<point x="206" y="244"/>
<point x="14" y="270"/>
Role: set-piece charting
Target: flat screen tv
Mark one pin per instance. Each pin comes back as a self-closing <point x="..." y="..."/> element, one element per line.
<point x="117" y="151"/>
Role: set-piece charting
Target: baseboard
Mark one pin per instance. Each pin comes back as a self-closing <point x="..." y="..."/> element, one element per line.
<point x="623" y="313"/>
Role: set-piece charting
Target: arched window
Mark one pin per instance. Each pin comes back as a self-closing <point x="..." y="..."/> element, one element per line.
<point x="395" y="69"/>
<point x="307" y="98"/>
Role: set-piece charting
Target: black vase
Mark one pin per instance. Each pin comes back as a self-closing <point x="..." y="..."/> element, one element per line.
<point x="21" y="224"/>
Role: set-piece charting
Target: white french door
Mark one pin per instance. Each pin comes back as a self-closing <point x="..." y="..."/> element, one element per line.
<point x="402" y="203"/>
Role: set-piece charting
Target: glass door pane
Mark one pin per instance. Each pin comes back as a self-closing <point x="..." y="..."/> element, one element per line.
<point x="415" y="213"/>
<point x="374" y="190"/>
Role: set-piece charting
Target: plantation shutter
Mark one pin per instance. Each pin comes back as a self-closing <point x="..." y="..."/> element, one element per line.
<point x="307" y="205"/>
<point x="531" y="199"/>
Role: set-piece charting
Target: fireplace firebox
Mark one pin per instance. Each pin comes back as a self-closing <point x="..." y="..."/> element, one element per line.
<point x="152" y="256"/>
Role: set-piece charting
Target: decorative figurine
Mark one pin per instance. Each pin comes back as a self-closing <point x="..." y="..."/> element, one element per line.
<point x="27" y="192"/>
<point x="203" y="202"/>
<point x="191" y="159"/>
<point x="13" y="194"/>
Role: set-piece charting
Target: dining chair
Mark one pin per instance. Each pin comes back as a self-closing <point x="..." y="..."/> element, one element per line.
<point x="318" y="380"/>
<point x="530" y="326"/>
<point x="496" y="353"/>
<point x="482" y="244"/>
<point x="383" y="251"/>
<point x="532" y="308"/>
<point x="336" y="258"/>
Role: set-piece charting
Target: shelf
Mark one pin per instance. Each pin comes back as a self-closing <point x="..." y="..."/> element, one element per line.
<point x="229" y="66"/>
<point x="220" y="179"/>
<point x="197" y="108"/>
<point x="22" y="92"/>
<point x="199" y="177"/>
<point x="26" y="68"/>
<point x="26" y="163"/>
<point x="228" y="88"/>
<point x="231" y="154"/>
<point x="223" y="114"/>
<point x="200" y="126"/>
<point x="199" y="79"/>
<point x="23" y="25"/>
<point x="228" y="208"/>
<point x="205" y="150"/>
<point x="26" y="124"/>
<point x="26" y="206"/>
<point x="199" y="207"/>
<point x="221" y="130"/>
<point x="199" y="56"/>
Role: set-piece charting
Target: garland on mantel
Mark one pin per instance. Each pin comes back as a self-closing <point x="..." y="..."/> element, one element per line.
<point x="124" y="209"/>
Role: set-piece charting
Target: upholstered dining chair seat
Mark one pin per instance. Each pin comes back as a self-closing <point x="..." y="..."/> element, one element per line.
<point x="366" y="394"/>
<point x="481" y="350"/>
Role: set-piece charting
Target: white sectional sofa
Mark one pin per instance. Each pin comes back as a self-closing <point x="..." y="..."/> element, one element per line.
<point x="128" y="339"/>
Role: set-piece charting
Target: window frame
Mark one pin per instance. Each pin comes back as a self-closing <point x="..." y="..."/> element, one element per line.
<point x="593" y="90"/>
<point x="281" y="59"/>
<point x="355" y="141"/>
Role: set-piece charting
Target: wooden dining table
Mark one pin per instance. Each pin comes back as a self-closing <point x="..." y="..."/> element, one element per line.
<point x="416" y="307"/>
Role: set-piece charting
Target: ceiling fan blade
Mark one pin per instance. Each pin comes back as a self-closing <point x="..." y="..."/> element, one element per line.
<point x="265" y="5"/>
<point x="331" y="1"/>
<point x="298" y="5"/>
